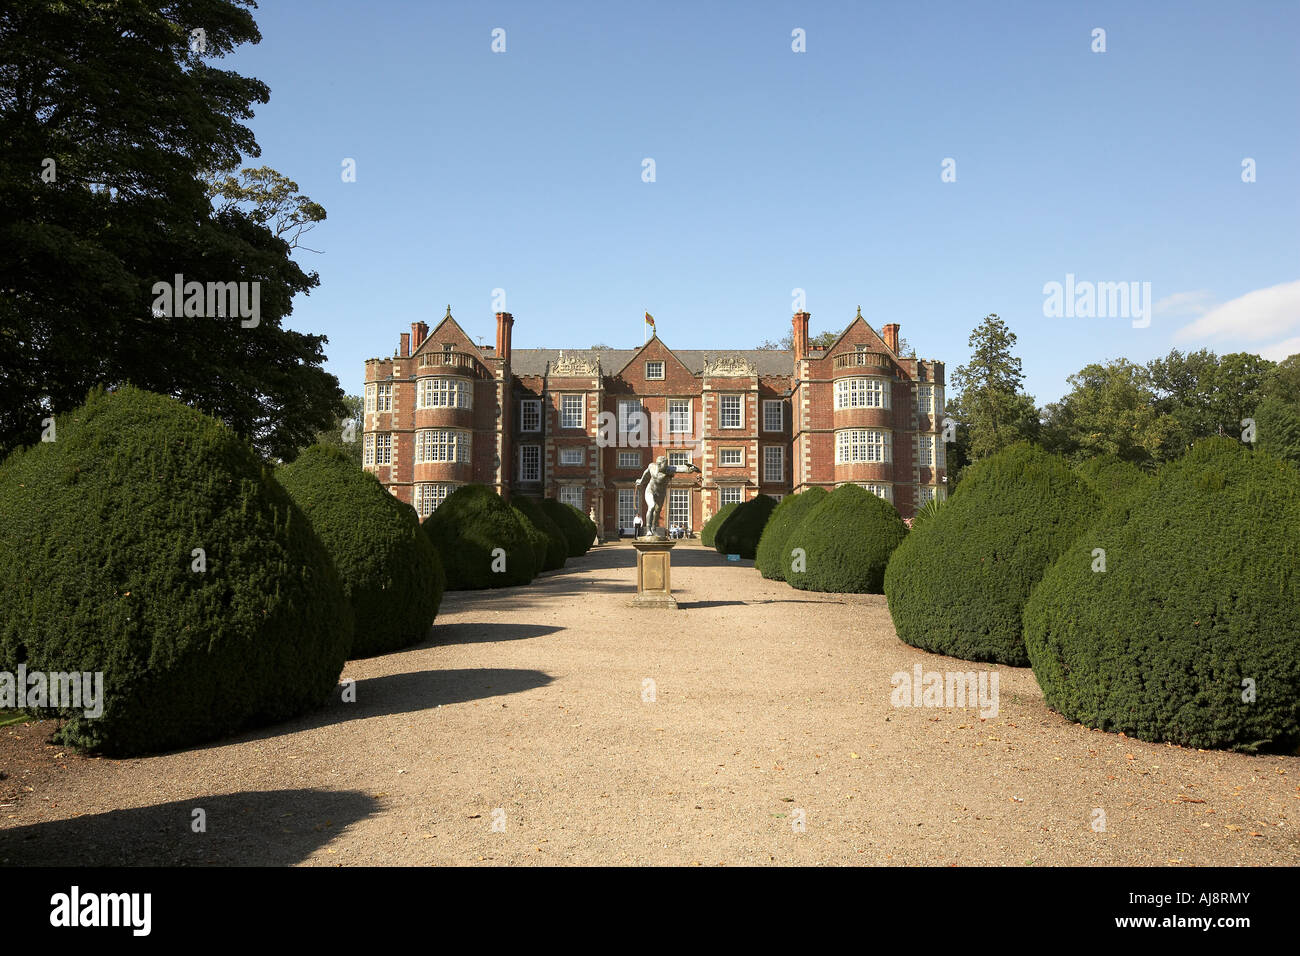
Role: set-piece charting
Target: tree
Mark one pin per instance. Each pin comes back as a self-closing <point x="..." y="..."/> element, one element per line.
<point x="821" y="339"/>
<point x="990" y="402"/>
<point x="346" y="433"/>
<point x="1283" y="382"/>
<point x="274" y="199"/>
<point x="601" y="347"/>
<point x="112" y="114"/>
<point x="1203" y="394"/>
<point x="1110" y="410"/>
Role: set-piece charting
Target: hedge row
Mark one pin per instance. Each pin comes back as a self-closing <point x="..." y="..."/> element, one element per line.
<point x="740" y="531"/>
<point x="773" y="557"/>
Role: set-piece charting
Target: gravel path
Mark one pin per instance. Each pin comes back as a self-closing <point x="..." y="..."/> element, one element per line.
<point x="528" y="712"/>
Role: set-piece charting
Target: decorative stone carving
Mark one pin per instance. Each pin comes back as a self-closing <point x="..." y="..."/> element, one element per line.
<point x="569" y="364"/>
<point x="730" y="366"/>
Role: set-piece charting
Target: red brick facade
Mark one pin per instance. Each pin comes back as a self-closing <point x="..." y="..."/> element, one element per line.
<point x="442" y="412"/>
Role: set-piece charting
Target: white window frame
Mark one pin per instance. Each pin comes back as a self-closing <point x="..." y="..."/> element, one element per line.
<point x="626" y="508"/>
<point x="926" y="494"/>
<point x="730" y="495"/>
<point x="722" y="458"/>
<point x="679" y="507"/>
<point x="629" y="459"/>
<point x="384" y="397"/>
<point x="679" y="457"/>
<point x="880" y="489"/>
<point x="429" y="495"/>
<point x="443" y="393"/>
<point x="581" y="454"/>
<point x="925" y="399"/>
<point x="862" y="392"/>
<point x="863" y="445"/>
<point x="567" y="420"/>
<point x="768" y="406"/>
<point x="370" y="398"/>
<point x="368" y="456"/>
<point x="925" y="451"/>
<point x="724" y="417"/>
<point x="442" y="446"/>
<point x="652" y="377"/>
<point x="679" y="416"/>
<point x="384" y="448"/>
<point x="768" y="459"/>
<point x="574" y="492"/>
<point x="628" y="411"/>
<point x="525" y="406"/>
<point x="536" y="462"/>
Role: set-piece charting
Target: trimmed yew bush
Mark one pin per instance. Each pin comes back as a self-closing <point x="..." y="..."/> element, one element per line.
<point x="579" y="531"/>
<point x="468" y="528"/>
<point x="391" y="574"/>
<point x="557" y="546"/>
<point x="1192" y="632"/>
<point x="773" y="557"/>
<point x="537" y="539"/>
<point x="846" y="540"/>
<point x="958" y="584"/>
<point x="739" y="534"/>
<point x="149" y="543"/>
<point x="709" y="532"/>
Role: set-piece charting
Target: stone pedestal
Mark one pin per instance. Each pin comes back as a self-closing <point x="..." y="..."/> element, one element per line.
<point x="654" y="573"/>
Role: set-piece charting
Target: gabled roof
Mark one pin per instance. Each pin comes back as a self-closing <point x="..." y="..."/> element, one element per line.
<point x="469" y="343"/>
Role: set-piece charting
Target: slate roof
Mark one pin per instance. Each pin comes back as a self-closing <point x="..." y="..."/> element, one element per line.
<point x="612" y="361"/>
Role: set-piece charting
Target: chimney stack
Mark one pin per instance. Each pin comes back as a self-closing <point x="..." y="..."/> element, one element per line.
<point x="419" y="332"/>
<point x="890" y="334"/>
<point x="800" y="323"/>
<point x="406" y="345"/>
<point x="505" y="321"/>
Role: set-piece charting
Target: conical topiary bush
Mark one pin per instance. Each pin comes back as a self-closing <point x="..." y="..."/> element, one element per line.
<point x="740" y="532"/>
<point x="773" y="557"/>
<point x="958" y="584"/>
<point x="845" y="543"/>
<point x="147" y="542"/>
<point x="391" y="573"/>
<point x="480" y="541"/>
<point x="1180" y="619"/>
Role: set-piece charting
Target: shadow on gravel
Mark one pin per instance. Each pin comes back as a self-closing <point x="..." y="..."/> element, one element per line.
<point x="402" y="694"/>
<point x="487" y="633"/>
<point x="253" y="828"/>
<point x="756" y="601"/>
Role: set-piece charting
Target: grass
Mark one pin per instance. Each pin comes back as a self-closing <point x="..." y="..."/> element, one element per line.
<point x="8" y="717"/>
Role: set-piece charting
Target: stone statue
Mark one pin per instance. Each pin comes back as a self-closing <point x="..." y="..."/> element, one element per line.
<point x="655" y="482"/>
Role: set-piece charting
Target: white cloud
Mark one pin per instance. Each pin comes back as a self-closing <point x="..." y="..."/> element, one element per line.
<point x="1182" y="304"/>
<point x="1280" y="350"/>
<point x="1254" y="317"/>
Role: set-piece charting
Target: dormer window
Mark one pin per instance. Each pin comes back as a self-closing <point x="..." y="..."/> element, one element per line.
<point x="654" y="371"/>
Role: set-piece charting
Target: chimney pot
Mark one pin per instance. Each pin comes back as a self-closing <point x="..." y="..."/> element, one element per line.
<point x="890" y="334"/>
<point x="406" y="344"/>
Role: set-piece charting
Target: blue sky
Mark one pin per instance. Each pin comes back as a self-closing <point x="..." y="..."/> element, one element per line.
<point x="777" y="170"/>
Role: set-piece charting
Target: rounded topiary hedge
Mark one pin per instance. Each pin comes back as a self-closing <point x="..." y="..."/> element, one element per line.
<point x="1199" y="598"/>
<point x="537" y="539"/>
<point x="958" y="584"/>
<point x="557" y="546"/>
<point x="709" y="532"/>
<point x="740" y="532"/>
<point x="578" y="530"/>
<point x="1112" y="477"/>
<point x="149" y="543"/>
<point x="773" y="557"/>
<point x="468" y="528"/>
<point x="846" y="542"/>
<point x="391" y="573"/>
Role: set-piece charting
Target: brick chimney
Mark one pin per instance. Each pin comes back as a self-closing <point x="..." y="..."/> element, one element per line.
<point x="800" y="323"/>
<point x="890" y="334"/>
<point x="505" y="321"/>
<point x="419" y="332"/>
<point x="406" y="345"/>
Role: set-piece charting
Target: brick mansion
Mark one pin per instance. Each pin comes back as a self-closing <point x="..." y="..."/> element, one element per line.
<point x="580" y="425"/>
